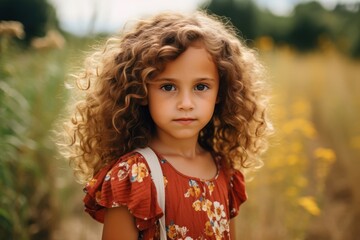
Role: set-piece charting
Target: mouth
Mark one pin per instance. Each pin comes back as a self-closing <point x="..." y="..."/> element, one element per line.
<point x="184" y="121"/>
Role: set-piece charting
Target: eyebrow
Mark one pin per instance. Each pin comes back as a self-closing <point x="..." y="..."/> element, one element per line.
<point x="169" y="79"/>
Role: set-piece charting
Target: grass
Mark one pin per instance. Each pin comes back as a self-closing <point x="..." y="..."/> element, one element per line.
<point x="315" y="106"/>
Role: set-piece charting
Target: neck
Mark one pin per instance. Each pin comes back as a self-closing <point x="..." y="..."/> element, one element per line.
<point x="187" y="148"/>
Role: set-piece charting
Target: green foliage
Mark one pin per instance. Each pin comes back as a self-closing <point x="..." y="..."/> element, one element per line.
<point x="305" y="29"/>
<point x="241" y="14"/>
<point x="308" y="25"/>
<point x="36" y="15"/>
<point x="32" y="96"/>
<point x="30" y="87"/>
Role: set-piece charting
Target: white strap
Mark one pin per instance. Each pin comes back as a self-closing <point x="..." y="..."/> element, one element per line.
<point x="158" y="179"/>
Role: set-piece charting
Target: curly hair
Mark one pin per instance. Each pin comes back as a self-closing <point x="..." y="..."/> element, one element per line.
<point x="112" y="118"/>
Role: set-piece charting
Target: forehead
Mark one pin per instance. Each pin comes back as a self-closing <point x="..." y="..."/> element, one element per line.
<point x="194" y="62"/>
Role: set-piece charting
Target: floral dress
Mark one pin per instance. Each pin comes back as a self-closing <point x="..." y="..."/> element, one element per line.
<point x="195" y="208"/>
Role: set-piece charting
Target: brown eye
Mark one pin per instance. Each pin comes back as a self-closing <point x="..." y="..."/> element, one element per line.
<point x="168" y="87"/>
<point x="201" y="87"/>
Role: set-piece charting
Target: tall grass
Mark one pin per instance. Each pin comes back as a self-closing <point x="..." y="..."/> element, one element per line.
<point x="316" y="113"/>
<point x="31" y="97"/>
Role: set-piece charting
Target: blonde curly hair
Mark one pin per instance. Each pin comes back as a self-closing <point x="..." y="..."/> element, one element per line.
<point x="112" y="119"/>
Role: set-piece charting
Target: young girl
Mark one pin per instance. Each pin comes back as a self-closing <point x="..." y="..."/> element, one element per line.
<point x="188" y="88"/>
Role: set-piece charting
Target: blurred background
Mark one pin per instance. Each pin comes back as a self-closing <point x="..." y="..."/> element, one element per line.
<point x="308" y="187"/>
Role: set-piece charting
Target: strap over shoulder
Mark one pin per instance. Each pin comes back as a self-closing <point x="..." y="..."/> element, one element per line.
<point x="158" y="179"/>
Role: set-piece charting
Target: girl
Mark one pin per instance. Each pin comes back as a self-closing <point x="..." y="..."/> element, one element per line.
<point x="185" y="86"/>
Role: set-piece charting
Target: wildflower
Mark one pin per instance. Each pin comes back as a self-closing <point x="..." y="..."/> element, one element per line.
<point x="326" y="154"/>
<point x="53" y="39"/>
<point x="302" y="125"/>
<point x="265" y="43"/>
<point x="310" y="205"/>
<point x="12" y="28"/>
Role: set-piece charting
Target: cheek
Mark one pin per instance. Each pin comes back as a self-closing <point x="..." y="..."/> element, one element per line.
<point x="156" y="107"/>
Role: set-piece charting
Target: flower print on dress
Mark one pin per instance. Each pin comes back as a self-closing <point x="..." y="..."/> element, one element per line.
<point x="176" y="232"/>
<point x="202" y="204"/>
<point x="194" y="189"/>
<point x="123" y="170"/>
<point x="138" y="172"/>
<point x="218" y="230"/>
<point x="219" y="221"/>
<point x="219" y="211"/>
<point x="165" y="182"/>
<point x="211" y="186"/>
<point x="108" y="176"/>
<point x="91" y="183"/>
<point x="98" y="196"/>
<point x="208" y="229"/>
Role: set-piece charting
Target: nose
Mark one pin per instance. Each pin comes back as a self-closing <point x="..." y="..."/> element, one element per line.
<point x="186" y="101"/>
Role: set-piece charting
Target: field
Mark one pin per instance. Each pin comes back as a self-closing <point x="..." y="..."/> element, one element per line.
<point x="307" y="188"/>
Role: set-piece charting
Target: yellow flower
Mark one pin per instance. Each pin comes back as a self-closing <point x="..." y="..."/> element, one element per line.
<point x="194" y="189"/>
<point x="176" y="232"/>
<point x="196" y="205"/>
<point x="326" y="154"/>
<point x="302" y="125"/>
<point x="208" y="229"/>
<point x="211" y="186"/>
<point x="139" y="172"/>
<point x="310" y="205"/>
<point x="206" y="205"/>
<point x="12" y="28"/>
<point x="171" y="232"/>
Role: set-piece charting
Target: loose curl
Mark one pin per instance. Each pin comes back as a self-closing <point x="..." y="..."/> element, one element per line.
<point x="113" y="118"/>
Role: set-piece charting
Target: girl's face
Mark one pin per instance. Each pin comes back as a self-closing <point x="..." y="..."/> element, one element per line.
<point x="182" y="98"/>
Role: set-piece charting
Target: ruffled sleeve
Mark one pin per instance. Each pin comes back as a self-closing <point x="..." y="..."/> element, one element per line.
<point x="128" y="183"/>
<point x="237" y="193"/>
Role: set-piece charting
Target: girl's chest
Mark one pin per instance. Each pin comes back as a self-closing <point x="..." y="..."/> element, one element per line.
<point x="191" y="194"/>
<point x="196" y="207"/>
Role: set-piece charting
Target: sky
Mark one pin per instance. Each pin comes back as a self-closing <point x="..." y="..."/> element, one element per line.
<point x="87" y="16"/>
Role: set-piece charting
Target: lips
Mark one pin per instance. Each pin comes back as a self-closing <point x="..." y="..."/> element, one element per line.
<point x="185" y="121"/>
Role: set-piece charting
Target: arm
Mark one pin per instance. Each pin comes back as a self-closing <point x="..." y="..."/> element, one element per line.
<point x="119" y="224"/>
<point x="232" y="229"/>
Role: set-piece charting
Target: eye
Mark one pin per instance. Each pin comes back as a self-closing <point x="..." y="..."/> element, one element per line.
<point x="168" y="87"/>
<point x="201" y="87"/>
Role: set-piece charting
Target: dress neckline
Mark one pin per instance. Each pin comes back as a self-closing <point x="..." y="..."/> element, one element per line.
<point x="214" y="158"/>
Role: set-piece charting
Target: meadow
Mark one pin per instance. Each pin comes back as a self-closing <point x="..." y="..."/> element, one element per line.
<point x="307" y="188"/>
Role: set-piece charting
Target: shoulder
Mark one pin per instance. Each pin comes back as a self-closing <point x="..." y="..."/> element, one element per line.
<point x="125" y="182"/>
<point x="131" y="165"/>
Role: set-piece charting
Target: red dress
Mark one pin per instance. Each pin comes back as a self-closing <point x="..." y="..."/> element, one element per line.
<point x="195" y="208"/>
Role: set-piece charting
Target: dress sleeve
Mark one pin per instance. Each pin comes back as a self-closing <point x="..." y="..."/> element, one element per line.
<point x="237" y="193"/>
<point x="128" y="183"/>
